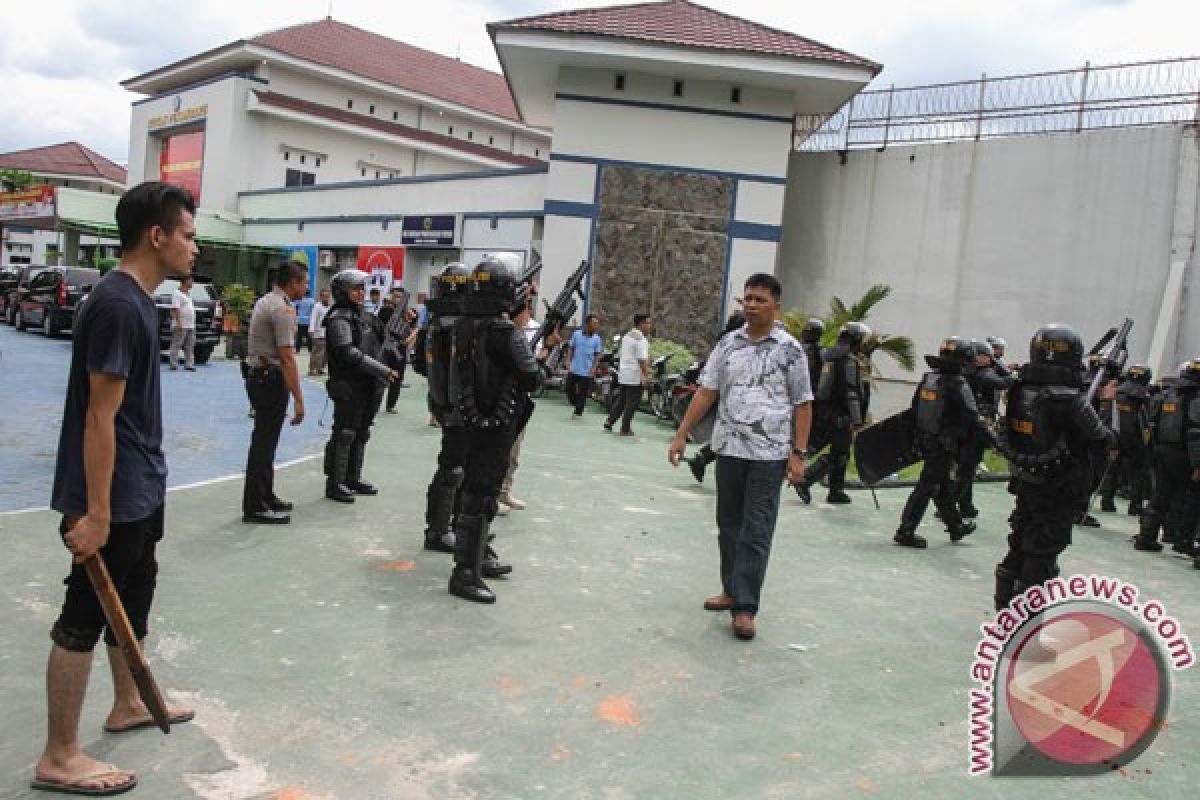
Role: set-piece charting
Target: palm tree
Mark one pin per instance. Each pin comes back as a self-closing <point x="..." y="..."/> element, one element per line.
<point x="899" y="348"/>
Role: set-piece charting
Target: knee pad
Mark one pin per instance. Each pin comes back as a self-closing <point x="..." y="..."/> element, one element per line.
<point x="451" y="478"/>
<point x="74" y="640"/>
<point x="346" y="437"/>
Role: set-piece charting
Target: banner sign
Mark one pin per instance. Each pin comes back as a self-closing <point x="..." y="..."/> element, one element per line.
<point x="179" y="116"/>
<point x="433" y="231"/>
<point x="385" y="265"/>
<point x="182" y="161"/>
<point x="306" y="254"/>
<point x="32" y="203"/>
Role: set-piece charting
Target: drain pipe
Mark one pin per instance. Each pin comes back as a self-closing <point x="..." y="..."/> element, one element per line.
<point x="1183" y="252"/>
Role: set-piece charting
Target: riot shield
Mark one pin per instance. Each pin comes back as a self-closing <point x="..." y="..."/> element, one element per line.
<point x="886" y="447"/>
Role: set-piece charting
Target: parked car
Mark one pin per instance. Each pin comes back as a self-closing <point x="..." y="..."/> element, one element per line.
<point x="53" y="294"/>
<point x="13" y="294"/>
<point x="208" y="317"/>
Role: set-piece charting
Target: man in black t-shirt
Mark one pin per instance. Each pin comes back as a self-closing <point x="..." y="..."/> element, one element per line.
<point x="110" y="479"/>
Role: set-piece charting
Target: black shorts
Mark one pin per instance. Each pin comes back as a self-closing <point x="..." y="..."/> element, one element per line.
<point x="129" y="556"/>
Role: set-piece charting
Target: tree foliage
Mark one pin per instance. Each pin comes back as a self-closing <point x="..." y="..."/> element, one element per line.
<point x="13" y="180"/>
<point x="898" y="348"/>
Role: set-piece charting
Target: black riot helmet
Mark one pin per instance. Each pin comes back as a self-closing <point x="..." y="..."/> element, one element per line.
<point x="1056" y="345"/>
<point x="343" y="282"/>
<point x="814" y="329"/>
<point x="1139" y="374"/>
<point x="957" y="350"/>
<point x="999" y="346"/>
<point x="1189" y="371"/>
<point x="982" y="347"/>
<point x="854" y="334"/>
<point x="448" y="289"/>
<point x="494" y="287"/>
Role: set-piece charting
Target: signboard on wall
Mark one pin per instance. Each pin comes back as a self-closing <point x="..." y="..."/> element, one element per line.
<point x="432" y="231"/>
<point x="34" y="202"/>
<point x="385" y="265"/>
<point x="181" y="162"/>
<point x="306" y="254"/>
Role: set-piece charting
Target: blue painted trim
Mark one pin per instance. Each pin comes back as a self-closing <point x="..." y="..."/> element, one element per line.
<point x="217" y="79"/>
<point x="565" y="208"/>
<point x="755" y="231"/>
<point x="538" y="214"/>
<point x="712" y="112"/>
<point x="604" y="162"/>
<point x="453" y="176"/>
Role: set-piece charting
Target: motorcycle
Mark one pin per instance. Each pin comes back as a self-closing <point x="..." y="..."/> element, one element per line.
<point x="606" y="380"/>
<point x="682" y="392"/>
<point x="658" y="390"/>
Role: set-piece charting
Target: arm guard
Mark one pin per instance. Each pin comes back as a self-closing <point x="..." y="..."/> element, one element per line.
<point x="340" y="341"/>
<point x="1088" y="423"/>
<point x="970" y="411"/>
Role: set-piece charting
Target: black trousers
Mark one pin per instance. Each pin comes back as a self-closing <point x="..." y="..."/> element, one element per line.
<point x="483" y="457"/>
<point x="1176" y="502"/>
<point x="625" y="405"/>
<point x="936" y="483"/>
<point x="130" y="558"/>
<point x="747" y="507"/>
<point x="577" y="389"/>
<point x="268" y="397"/>
<point x="1133" y="467"/>
<point x="970" y="456"/>
<point x="303" y="337"/>
<point x="1041" y="525"/>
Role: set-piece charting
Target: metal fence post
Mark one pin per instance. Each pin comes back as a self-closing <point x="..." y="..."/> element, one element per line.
<point x="887" y="118"/>
<point x="1087" y="67"/>
<point x="849" y="119"/>
<point x="979" y="106"/>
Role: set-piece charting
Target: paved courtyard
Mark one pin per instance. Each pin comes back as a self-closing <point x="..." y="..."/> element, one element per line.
<point x="326" y="660"/>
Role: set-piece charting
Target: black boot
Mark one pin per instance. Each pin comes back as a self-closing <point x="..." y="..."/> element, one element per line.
<point x="439" y="508"/>
<point x="354" y="481"/>
<point x="470" y="546"/>
<point x="1006" y="587"/>
<point x="1087" y="520"/>
<point x="339" y="465"/>
<point x="907" y="538"/>
<point x="1107" y="505"/>
<point x="1146" y="545"/>
<point x="837" y="497"/>
<point x="492" y="567"/>
<point x="957" y="532"/>
<point x="968" y="511"/>
<point x="1135" y="510"/>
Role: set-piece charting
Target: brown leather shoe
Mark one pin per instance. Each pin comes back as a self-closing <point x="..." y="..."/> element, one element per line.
<point x="718" y="602"/>
<point x="743" y="625"/>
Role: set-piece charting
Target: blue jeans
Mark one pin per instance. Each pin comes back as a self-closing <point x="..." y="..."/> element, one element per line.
<point x="747" y="506"/>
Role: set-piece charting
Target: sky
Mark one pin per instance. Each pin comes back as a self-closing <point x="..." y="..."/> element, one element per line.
<point x="61" y="61"/>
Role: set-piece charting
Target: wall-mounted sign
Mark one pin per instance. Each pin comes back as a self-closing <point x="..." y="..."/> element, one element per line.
<point x="432" y="231"/>
<point x="178" y="116"/>
<point x="385" y="265"/>
<point x="182" y="161"/>
<point x="32" y="203"/>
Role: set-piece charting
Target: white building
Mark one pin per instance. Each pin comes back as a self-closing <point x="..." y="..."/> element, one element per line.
<point x="33" y="229"/>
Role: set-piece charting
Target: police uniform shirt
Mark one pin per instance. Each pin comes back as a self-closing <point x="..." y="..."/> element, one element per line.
<point x="760" y="384"/>
<point x="272" y="326"/>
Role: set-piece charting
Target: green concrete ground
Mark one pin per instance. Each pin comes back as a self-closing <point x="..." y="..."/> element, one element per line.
<point x="326" y="660"/>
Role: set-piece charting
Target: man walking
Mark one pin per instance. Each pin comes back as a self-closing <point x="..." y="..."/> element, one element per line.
<point x="304" y="308"/>
<point x="183" y="326"/>
<point x="271" y="376"/>
<point x="633" y="373"/>
<point x="316" y="334"/>
<point x="760" y="375"/>
<point x="110" y="480"/>
<point x="584" y="349"/>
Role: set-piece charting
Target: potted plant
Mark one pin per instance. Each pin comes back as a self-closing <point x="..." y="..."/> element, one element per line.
<point x="237" y="301"/>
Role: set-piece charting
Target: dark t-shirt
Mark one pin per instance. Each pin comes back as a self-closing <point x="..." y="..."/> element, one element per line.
<point x="115" y="333"/>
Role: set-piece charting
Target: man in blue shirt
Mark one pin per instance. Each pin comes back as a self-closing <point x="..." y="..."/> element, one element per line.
<point x="584" y="349"/>
<point x="304" y="308"/>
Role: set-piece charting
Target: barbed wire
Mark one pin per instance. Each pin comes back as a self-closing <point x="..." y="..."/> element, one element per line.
<point x="1088" y="98"/>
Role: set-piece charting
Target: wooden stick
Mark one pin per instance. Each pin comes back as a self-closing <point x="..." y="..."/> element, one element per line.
<point x="118" y="623"/>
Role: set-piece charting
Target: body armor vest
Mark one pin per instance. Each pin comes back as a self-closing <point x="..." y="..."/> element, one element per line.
<point x="1026" y="435"/>
<point x="1130" y="411"/>
<point x="1173" y="415"/>
<point x="366" y="332"/>
<point x="931" y="404"/>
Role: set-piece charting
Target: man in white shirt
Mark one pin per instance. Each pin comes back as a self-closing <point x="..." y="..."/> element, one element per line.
<point x="183" y="326"/>
<point x="316" y="334"/>
<point x="633" y="373"/>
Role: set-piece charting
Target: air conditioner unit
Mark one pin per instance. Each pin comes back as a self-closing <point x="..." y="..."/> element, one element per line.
<point x="325" y="259"/>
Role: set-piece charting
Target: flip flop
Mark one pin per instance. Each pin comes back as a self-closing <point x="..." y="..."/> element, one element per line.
<point x="174" y="719"/>
<point x="75" y="787"/>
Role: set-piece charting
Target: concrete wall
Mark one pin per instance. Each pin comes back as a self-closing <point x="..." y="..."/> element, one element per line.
<point x="990" y="238"/>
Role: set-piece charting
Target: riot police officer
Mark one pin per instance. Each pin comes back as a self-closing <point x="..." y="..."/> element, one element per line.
<point x="1132" y="424"/>
<point x="810" y="340"/>
<point x="946" y="415"/>
<point x="987" y="385"/>
<point x="842" y="399"/>
<point x="1049" y="434"/>
<point x="356" y="384"/>
<point x="1175" y="420"/>
<point x="480" y="370"/>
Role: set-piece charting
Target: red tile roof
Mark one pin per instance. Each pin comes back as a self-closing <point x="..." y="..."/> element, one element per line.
<point x="341" y="46"/>
<point x="68" y="158"/>
<point x="683" y="23"/>
<point x="362" y="120"/>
